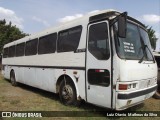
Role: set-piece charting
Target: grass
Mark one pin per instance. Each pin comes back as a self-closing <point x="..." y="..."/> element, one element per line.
<point x="26" y="98"/>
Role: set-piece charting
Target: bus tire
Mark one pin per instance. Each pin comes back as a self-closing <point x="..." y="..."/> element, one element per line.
<point x="13" y="78"/>
<point x="67" y="93"/>
<point x="156" y="95"/>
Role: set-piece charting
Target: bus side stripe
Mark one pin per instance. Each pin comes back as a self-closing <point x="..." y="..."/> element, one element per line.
<point x="57" y="67"/>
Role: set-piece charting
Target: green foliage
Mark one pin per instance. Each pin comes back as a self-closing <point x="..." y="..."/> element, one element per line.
<point x="152" y="37"/>
<point x="9" y="33"/>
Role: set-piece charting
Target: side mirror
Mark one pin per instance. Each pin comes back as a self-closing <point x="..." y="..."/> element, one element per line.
<point x="122" y="25"/>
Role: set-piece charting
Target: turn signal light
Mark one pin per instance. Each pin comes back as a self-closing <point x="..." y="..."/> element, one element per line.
<point x="123" y="86"/>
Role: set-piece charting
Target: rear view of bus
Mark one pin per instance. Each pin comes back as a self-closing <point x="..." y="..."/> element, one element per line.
<point x="135" y="64"/>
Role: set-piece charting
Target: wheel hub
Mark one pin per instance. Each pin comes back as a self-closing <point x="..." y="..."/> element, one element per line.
<point x="67" y="92"/>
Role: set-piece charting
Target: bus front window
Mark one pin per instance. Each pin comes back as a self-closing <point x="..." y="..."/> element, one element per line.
<point x="131" y="47"/>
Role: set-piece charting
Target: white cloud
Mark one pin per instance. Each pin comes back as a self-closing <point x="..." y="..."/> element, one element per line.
<point x="44" y="22"/>
<point x="73" y="17"/>
<point x="151" y="18"/>
<point x="69" y="18"/>
<point x="157" y="35"/>
<point x="9" y="15"/>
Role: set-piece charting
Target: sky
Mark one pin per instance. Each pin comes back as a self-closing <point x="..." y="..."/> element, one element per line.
<point x="32" y="16"/>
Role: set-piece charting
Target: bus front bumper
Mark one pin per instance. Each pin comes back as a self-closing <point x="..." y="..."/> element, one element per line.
<point x="127" y="99"/>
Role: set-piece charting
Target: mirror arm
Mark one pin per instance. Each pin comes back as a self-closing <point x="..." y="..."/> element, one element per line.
<point x="116" y="18"/>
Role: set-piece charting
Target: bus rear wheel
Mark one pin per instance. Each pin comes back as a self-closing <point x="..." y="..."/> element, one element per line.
<point x="13" y="79"/>
<point x="67" y="93"/>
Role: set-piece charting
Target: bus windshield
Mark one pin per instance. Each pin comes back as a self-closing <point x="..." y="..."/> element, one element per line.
<point x="132" y="47"/>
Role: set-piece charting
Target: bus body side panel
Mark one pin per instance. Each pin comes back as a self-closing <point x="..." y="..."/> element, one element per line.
<point x="19" y="71"/>
<point x="6" y="72"/>
<point x="46" y="78"/>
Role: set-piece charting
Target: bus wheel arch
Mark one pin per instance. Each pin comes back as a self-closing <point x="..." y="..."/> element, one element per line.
<point x="13" y="78"/>
<point x="67" y="82"/>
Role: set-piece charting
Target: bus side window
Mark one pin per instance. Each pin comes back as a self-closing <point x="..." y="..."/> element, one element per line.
<point x="5" y="52"/>
<point x="31" y="47"/>
<point x="68" y="40"/>
<point x="47" y="44"/>
<point x="11" y="52"/>
<point x="98" y="44"/>
<point x="20" y="49"/>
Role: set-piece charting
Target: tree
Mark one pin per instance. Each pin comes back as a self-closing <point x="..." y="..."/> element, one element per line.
<point x="152" y="36"/>
<point x="9" y="33"/>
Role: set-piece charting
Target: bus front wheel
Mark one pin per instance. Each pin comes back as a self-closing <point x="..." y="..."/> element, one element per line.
<point x="13" y="79"/>
<point x="67" y="92"/>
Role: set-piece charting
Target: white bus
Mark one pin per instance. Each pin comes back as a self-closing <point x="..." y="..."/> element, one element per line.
<point x="103" y="58"/>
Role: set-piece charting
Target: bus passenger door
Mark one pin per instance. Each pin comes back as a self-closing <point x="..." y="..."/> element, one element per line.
<point x="98" y="65"/>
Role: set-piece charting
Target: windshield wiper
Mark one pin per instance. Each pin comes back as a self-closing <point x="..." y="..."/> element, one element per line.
<point x="144" y="50"/>
<point x="145" y="53"/>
